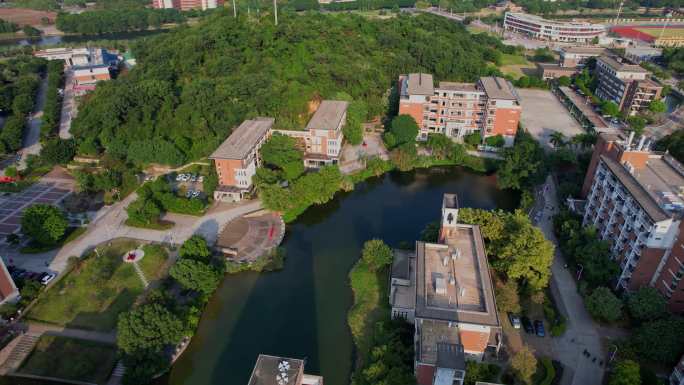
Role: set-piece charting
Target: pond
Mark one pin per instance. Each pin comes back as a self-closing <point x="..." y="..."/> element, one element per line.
<point x="78" y="39"/>
<point x="300" y="311"/>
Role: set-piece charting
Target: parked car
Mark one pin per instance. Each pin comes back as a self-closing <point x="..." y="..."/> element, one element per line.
<point x="200" y="179"/>
<point x="179" y="177"/>
<point x="539" y="328"/>
<point x="515" y="320"/>
<point x="188" y="193"/>
<point x="195" y="194"/>
<point x="527" y="325"/>
<point x="47" y="278"/>
<point x="193" y="178"/>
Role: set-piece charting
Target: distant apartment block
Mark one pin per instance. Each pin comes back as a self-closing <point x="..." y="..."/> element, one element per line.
<point x="445" y="290"/>
<point x="87" y="77"/>
<point x="677" y="376"/>
<point x="635" y="199"/>
<point x="322" y="138"/>
<point x="8" y="290"/>
<point x="237" y="159"/>
<point x="543" y="29"/>
<point x="491" y="106"/>
<point x="628" y="85"/>
<point x="272" y="370"/>
<point x="79" y="57"/>
<point x="186" y="5"/>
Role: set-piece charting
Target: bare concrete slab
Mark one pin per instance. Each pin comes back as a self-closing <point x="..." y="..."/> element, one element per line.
<point x="543" y="114"/>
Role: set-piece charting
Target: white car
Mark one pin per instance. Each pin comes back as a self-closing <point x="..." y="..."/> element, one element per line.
<point x="47" y="278"/>
<point x="195" y="194"/>
<point x="188" y="194"/>
<point x="179" y="177"/>
<point x="200" y="179"/>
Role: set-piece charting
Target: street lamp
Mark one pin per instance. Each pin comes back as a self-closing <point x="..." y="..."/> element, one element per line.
<point x="612" y="355"/>
<point x="579" y="272"/>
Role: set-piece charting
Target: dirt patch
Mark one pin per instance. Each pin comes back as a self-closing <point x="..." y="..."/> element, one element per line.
<point x="23" y="16"/>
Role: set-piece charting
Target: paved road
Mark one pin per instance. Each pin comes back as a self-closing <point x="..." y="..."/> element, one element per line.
<point x="68" y="105"/>
<point x="108" y="225"/>
<point x="582" y="333"/>
<point x="31" y="143"/>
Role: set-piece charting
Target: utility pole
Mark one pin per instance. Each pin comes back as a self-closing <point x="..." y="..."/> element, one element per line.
<point x="662" y="31"/>
<point x="275" y="11"/>
<point x="234" y="10"/>
<point x="617" y="18"/>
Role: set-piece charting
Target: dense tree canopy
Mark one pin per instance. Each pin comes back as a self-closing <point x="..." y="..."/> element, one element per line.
<point x="602" y="304"/>
<point x="647" y="304"/>
<point x="523" y="163"/>
<point x="195" y="275"/>
<point x="147" y="329"/>
<point x="45" y="224"/>
<point x="192" y="85"/>
<point x="625" y="373"/>
<point x="376" y="254"/>
<point x="195" y="248"/>
<point x="661" y="341"/>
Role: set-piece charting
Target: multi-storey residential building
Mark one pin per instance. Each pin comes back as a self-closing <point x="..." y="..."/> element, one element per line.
<point x="186" y="5"/>
<point x="635" y="199"/>
<point x="540" y="28"/>
<point x="628" y="85"/>
<point x="491" y="106"/>
<point x="237" y="158"/>
<point x="272" y="370"/>
<point x="445" y="290"/>
<point x="8" y="290"/>
<point x="677" y="376"/>
<point x="322" y="139"/>
<point x="578" y="56"/>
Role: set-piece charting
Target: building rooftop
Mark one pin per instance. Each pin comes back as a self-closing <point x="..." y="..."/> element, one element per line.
<point x="7" y="287"/>
<point x="403" y="268"/>
<point x="619" y="66"/>
<point x="420" y="84"/>
<point x="584" y="50"/>
<point x="453" y="279"/>
<point x="271" y="370"/>
<point x="452" y="86"/>
<point x="554" y="22"/>
<point x="636" y="189"/>
<point x="328" y="115"/>
<point x="663" y="181"/>
<point x="433" y="333"/>
<point x="498" y="88"/>
<point x="243" y="139"/>
<point x="450" y="201"/>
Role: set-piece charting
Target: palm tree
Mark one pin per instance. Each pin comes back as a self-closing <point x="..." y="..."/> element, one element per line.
<point x="557" y="139"/>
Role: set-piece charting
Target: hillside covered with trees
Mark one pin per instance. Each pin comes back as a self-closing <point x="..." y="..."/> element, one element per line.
<point x="193" y="84"/>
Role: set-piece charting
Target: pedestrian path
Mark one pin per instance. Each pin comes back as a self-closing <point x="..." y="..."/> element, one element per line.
<point x="141" y="275"/>
<point x="19" y="353"/>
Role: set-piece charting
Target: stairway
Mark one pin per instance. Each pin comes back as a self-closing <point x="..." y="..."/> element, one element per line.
<point x="19" y="353"/>
<point x="119" y="370"/>
<point x="141" y="275"/>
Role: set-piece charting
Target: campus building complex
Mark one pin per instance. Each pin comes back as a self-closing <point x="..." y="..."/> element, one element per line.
<point x="491" y="106"/>
<point x="237" y="159"/>
<point x="445" y="290"/>
<point x="186" y="5"/>
<point x="578" y="56"/>
<point x="635" y="200"/>
<point x="540" y="28"/>
<point x="272" y="370"/>
<point x="628" y="85"/>
<point x="322" y="138"/>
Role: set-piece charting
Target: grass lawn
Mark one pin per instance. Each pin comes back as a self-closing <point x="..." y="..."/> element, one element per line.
<point x="370" y="305"/>
<point x="153" y="262"/>
<point x="71" y="359"/>
<point x="516" y="65"/>
<point x="93" y="294"/>
<point x="668" y="32"/>
<point x="159" y="225"/>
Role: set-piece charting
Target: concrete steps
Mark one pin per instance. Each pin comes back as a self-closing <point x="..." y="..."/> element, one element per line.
<point x="141" y="275"/>
<point x="19" y="353"/>
<point x="119" y="370"/>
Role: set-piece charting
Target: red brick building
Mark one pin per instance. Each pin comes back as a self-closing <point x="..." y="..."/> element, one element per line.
<point x="491" y="106"/>
<point x="635" y="200"/>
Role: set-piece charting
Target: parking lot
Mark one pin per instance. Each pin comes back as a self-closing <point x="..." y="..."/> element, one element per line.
<point x="48" y="191"/>
<point x="192" y="184"/>
<point x="543" y="114"/>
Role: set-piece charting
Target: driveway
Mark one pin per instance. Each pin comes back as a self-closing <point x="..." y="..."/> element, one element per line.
<point x="582" y="332"/>
<point x="352" y="158"/>
<point x="31" y="143"/>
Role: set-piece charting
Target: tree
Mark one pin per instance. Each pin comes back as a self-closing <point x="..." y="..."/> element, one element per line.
<point x="404" y="129"/>
<point x="440" y="145"/>
<point x="507" y="299"/>
<point x="473" y="139"/>
<point x="195" y="248"/>
<point x="647" y="304"/>
<point x="610" y="108"/>
<point x="524" y="364"/>
<point x="637" y="124"/>
<point x="625" y="373"/>
<point x="404" y="157"/>
<point x="495" y="141"/>
<point x="557" y="139"/>
<point x="147" y="328"/>
<point x="58" y="151"/>
<point x="657" y="106"/>
<point x="564" y="81"/>
<point x="45" y="224"/>
<point x="280" y="150"/>
<point x="522" y="165"/>
<point x="661" y="340"/>
<point x="376" y="254"/>
<point x="603" y="305"/>
<point x="195" y="275"/>
<point x="431" y="232"/>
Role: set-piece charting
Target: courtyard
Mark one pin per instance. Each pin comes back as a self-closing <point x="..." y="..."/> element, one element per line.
<point x="543" y="114"/>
